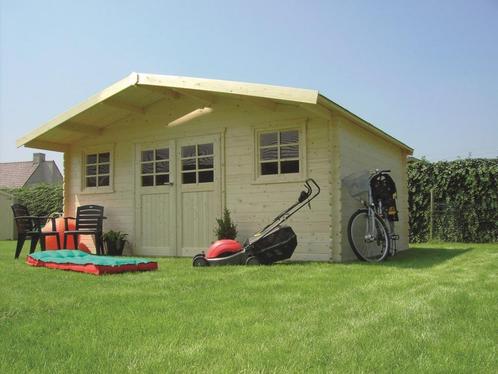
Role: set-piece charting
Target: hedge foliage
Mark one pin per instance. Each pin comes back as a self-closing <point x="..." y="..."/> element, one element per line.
<point x="465" y="200"/>
<point x="41" y="199"/>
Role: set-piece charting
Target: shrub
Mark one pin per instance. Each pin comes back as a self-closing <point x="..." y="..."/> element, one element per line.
<point x="41" y="199"/>
<point x="465" y="200"/>
<point x="226" y="228"/>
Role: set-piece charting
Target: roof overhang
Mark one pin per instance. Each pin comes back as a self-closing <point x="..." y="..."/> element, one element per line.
<point x="133" y="94"/>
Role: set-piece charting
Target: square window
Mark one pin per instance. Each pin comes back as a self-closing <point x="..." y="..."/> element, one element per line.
<point x="205" y="149"/>
<point x="91" y="170"/>
<point x="162" y="167"/>
<point x="188" y="178"/>
<point x="289" y="137"/>
<point x="205" y="163"/>
<point x="268" y="153"/>
<point x="288" y="167"/>
<point x="104" y="169"/>
<point x="268" y="139"/>
<point x="162" y="179"/>
<point x="91" y="182"/>
<point x="206" y="176"/>
<point x="147" y="180"/>
<point x="188" y="151"/>
<point x="162" y="154"/>
<point x="148" y="168"/>
<point x="91" y="159"/>
<point x="289" y="151"/>
<point x="104" y="157"/>
<point x="268" y="168"/>
<point x="147" y="155"/>
<point x="103" y="180"/>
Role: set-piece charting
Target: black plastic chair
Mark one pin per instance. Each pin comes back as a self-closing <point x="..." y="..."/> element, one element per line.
<point x="31" y="227"/>
<point x="89" y="219"/>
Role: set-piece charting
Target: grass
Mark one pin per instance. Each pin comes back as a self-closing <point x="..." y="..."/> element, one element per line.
<point x="431" y="309"/>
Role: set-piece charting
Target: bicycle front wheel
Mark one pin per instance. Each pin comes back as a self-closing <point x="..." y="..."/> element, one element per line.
<point x="368" y="236"/>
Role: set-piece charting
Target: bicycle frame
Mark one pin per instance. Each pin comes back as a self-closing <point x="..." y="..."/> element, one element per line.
<point x="377" y="208"/>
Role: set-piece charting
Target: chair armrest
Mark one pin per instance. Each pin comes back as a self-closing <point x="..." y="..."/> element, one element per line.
<point x="66" y="219"/>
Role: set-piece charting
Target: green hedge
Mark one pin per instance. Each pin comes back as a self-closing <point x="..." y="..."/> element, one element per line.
<point x="41" y="199"/>
<point x="465" y="200"/>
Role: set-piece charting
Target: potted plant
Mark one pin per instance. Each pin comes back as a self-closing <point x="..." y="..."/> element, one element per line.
<point x="114" y="242"/>
<point x="226" y="228"/>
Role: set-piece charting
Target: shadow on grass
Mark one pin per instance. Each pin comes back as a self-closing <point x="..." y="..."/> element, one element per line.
<point x="418" y="258"/>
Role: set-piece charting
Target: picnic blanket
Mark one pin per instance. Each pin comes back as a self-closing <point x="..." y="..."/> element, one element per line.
<point x="75" y="260"/>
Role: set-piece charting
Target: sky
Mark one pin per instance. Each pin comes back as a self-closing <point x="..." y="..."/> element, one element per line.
<point x="425" y="72"/>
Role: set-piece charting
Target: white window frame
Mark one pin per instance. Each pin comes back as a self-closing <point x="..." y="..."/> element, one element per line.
<point x="300" y="126"/>
<point x="104" y="148"/>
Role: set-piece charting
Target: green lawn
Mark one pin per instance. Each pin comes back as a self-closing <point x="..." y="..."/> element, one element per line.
<point x="431" y="309"/>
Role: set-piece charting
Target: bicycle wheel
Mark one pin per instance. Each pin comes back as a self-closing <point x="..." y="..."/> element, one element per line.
<point x="368" y="243"/>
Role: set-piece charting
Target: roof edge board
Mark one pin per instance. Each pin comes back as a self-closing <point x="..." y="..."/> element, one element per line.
<point x="299" y="95"/>
<point x="326" y="102"/>
<point x="112" y="90"/>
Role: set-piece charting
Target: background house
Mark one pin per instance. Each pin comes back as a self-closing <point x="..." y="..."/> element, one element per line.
<point x="27" y="173"/>
<point x="165" y="155"/>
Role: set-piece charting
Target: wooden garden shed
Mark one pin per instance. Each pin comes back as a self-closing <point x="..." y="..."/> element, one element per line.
<point x="165" y="155"/>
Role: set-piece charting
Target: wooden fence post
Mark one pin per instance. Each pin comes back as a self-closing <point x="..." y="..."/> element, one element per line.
<point x="431" y="219"/>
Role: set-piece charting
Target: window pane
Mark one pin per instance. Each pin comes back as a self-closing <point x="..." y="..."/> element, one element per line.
<point x="104" y="157"/>
<point x="91" y="170"/>
<point x="188" y="164"/>
<point x="268" y="153"/>
<point x="206" y="176"/>
<point x="205" y="163"/>
<point x="91" y="159"/>
<point x="188" y="151"/>
<point x="269" y="168"/>
<point x="289" y="151"/>
<point x="147" y="181"/>
<point x="162" y="179"/>
<point x="103" y="180"/>
<point x="268" y="139"/>
<point x="91" y="182"/>
<point x="147" y="155"/>
<point x="162" y="154"/>
<point x="205" y="149"/>
<point x="188" y="178"/>
<point x="162" y="167"/>
<point x="104" y="169"/>
<point x="287" y="167"/>
<point x="148" y="168"/>
<point x="287" y="137"/>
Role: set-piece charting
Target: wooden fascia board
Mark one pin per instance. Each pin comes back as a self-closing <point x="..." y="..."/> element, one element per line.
<point x="327" y="103"/>
<point x="51" y="146"/>
<point x="88" y="103"/>
<point x="299" y="95"/>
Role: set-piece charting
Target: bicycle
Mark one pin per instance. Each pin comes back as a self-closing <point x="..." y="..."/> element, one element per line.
<point x="371" y="231"/>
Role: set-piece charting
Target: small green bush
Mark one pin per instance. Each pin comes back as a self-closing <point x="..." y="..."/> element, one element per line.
<point x="226" y="228"/>
<point x="41" y="199"/>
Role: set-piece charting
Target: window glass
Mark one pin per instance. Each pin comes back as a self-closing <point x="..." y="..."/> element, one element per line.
<point x="268" y="139"/>
<point x="197" y="163"/>
<point x="98" y="169"/>
<point x="279" y="152"/>
<point x="154" y="167"/>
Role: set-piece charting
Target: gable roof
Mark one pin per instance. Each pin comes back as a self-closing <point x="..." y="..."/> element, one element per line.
<point x="135" y="92"/>
<point x="16" y="174"/>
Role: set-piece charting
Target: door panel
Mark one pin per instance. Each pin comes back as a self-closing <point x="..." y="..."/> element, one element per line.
<point x="199" y="192"/>
<point x="155" y="214"/>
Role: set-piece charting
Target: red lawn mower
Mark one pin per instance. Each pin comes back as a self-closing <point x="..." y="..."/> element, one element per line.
<point x="275" y="242"/>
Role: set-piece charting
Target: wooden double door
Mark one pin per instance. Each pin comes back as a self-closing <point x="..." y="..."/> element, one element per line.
<point x="177" y="195"/>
